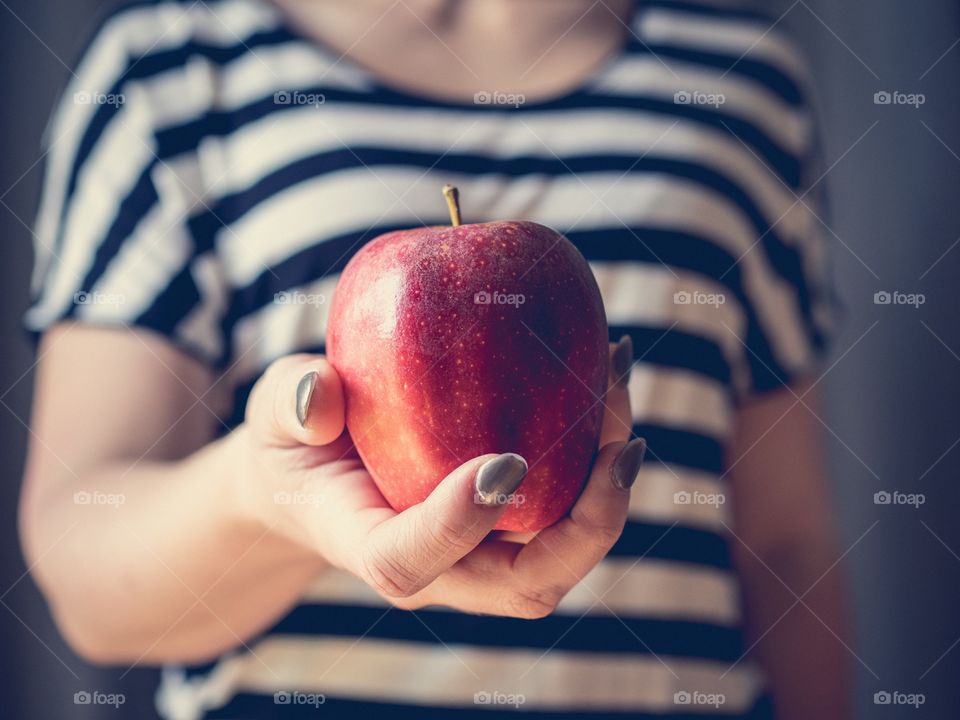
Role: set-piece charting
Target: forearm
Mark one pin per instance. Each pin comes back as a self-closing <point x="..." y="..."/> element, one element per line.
<point x="162" y="561"/>
<point x="803" y="647"/>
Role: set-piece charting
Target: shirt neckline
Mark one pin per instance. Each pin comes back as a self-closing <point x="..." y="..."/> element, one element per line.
<point x="380" y="87"/>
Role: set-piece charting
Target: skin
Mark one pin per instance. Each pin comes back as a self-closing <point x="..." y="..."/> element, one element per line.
<point x="198" y="527"/>
<point x="438" y="47"/>
<point x="786" y="547"/>
<point x="194" y="534"/>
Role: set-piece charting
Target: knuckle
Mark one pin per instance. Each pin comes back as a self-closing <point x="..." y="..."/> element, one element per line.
<point x="411" y="602"/>
<point x="254" y="400"/>
<point x="275" y="370"/>
<point x="269" y="379"/>
<point x="534" y="604"/>
<point x="390" y="577"/>
<point x="442" y="536"/>
<point x="597" y="529"/>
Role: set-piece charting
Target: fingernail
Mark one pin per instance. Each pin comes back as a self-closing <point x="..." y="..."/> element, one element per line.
<point x="499" y="478"/>
<point x="623" y="360"/>
<point x="627" y="464"/>
<point x="305" y="388"/>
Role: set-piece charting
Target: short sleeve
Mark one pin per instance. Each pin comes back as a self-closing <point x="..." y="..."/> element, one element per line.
<point x="113" y="244"/>
<point x="792" y="313"/>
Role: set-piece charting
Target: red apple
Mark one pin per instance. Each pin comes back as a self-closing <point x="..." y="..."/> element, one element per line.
<point x="452" y="342"/>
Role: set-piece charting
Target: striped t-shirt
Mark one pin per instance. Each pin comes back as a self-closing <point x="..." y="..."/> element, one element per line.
<point x="202" y="183"/>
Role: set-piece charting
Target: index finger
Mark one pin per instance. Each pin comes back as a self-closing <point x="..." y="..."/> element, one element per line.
<point x="560" y="555"/>
<point x="528" y="581"/>
<point x="617" y="415"/>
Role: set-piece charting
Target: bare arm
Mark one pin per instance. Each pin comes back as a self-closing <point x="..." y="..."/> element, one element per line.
<point x="786" y="547"/>
<point x="176" y="549"/>
<point x="151" y="558"/>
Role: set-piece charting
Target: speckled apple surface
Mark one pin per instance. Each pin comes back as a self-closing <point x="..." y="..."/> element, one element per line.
<point x="434" y="374"/>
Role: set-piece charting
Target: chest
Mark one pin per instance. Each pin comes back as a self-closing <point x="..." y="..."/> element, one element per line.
<point x="643" y="230"/>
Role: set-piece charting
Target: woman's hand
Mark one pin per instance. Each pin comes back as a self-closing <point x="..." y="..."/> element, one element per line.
<point x="305" y="481"/>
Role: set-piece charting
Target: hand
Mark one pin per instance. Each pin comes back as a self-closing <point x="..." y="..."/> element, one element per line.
<point x="320" y="496"/>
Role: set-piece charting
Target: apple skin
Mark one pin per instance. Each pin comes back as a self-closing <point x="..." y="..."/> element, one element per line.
<point x="433" y="376"/>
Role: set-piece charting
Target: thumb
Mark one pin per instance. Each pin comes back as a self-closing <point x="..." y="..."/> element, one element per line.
<point x="409" y="550"/>
<point x="297" y="401"/>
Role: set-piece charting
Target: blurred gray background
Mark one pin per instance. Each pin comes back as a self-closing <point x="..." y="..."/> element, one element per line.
<point x="892" y="421"/>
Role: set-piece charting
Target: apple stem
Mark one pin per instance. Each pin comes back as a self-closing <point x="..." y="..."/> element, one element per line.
<point x="452" y="196"/>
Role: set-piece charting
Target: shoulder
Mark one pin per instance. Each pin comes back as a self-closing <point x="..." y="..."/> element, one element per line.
<point x="144" y="28"/>
<point x="143" y="52"/>
<point x="734" y="73"/>
<point x="729" y="40"/>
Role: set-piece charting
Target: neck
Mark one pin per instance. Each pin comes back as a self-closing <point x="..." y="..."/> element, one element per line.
<point x="455" y="48"/>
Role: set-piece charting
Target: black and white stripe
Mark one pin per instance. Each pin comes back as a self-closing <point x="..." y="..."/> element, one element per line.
<point x="200" y="198"/>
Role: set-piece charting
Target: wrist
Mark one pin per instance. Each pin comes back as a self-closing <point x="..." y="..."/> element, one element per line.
<point x="246" y="494"/>
<point x="252" y="498"/>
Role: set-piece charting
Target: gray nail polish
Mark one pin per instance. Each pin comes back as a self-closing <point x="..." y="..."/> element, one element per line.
<point x="305" y="388"/>
<point x="623" y="360"/>
<point x="499" y="478"/>
<point x="627" y="464"/>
